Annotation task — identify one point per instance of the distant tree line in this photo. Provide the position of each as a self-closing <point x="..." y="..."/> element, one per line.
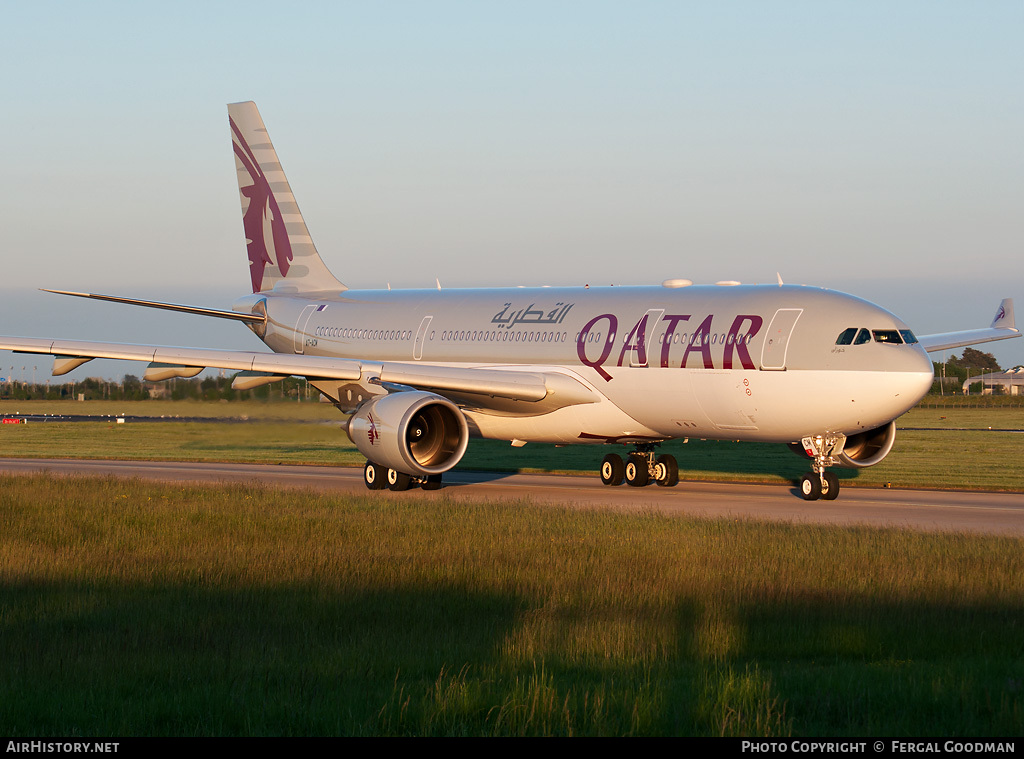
<point x="131" y="388"/>
<point x="956" y="369"/>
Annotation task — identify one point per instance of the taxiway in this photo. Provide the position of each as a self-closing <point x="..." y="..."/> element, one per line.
<point x="967" y="511"/>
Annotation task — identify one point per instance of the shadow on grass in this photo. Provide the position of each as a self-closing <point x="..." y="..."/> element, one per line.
<point x="95" y="659"/>
<point x="181" y="660"/>
<point x="697" y="459"/>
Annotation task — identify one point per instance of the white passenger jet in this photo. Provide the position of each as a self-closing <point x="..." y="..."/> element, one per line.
<point x="422" y="371"/>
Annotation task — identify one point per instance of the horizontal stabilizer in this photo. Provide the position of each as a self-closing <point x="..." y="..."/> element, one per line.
<point x="241" y="317"/>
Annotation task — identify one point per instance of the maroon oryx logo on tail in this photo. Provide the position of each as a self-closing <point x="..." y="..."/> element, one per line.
<point x="262" y="205"/>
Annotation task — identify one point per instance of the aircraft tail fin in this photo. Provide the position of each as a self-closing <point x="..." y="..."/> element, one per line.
<point x="282" y="255"/>
<point x="1004" y="315"/>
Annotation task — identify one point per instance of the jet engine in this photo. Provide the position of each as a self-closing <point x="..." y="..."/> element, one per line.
<point x="868" y="448"/>
<point x="413" y="432"/>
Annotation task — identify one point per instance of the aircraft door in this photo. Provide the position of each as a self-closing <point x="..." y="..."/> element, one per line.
<point x="776" y="339"/>
<point x="421" y="338"/>
<point x="299" y="340"/>
<point x="650" y="321"/>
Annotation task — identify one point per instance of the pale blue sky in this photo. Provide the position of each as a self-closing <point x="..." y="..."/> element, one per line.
<point x="873" y="147"/>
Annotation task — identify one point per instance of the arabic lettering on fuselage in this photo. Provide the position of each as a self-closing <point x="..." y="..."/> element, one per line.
<point x="530" y="315"/>
<point x="732" y="346"/>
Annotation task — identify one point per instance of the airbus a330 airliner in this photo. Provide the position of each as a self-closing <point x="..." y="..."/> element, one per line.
<point x="421" y="371"/>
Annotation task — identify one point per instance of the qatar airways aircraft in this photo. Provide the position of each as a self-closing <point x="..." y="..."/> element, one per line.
<point x="422" y="371"/>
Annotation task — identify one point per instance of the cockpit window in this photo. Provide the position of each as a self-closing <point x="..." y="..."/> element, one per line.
<point x="860" y="336"/>
<point x="846" y="336"/>
<point x="887" y="336"/>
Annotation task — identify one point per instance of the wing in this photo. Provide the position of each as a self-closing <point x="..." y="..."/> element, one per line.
<point x="504" y="390"/>
<point x="1002" y="328"/>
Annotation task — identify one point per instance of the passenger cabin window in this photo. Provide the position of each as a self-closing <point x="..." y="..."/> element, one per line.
<point x="887" y="336"/>
<point x="846" y="336"/>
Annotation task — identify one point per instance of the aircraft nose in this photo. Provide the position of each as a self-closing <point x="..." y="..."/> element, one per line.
<point x="923" y="361"/>
<point x="917" y="374"/>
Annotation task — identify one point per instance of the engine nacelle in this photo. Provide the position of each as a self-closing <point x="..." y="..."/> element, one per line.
<point x="861" y="450"/>
<point x="868" y="448"/>
<point x="414" y="432"/>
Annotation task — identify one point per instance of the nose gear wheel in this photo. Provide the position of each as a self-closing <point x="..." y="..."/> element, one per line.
<point x="823" y="451"/>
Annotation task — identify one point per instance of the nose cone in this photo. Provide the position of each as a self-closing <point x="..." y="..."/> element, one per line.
<point x="922" y="363"/>
<point x="911" y="375"/>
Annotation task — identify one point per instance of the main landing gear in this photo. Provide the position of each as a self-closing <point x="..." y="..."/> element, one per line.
<point x="822" y="450"/>
<point x="641" y="468"/>
<point x="377" y="477"/>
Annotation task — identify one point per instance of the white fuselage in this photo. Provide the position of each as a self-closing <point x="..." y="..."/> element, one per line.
<point x="730" y="362"/>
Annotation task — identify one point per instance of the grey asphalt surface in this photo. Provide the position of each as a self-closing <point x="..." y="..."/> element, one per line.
<point x="960" y="511"/>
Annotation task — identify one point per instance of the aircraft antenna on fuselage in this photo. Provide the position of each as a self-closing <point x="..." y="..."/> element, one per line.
<point x="282" y="256"/>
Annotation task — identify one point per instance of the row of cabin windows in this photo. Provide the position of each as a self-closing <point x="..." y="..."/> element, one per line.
<point x="503" y="337"/>
<point x="697" y="338"/>
<point x="352" y="333"/>
<point x="861" y="335"/>
<point x="591" y="337"/>
<point x="363" y="334"/>
<point x="540" y="337"/>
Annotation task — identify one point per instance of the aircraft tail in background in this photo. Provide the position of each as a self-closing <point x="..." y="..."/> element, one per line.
<point x="282" y="256"/>
<point x="1003" y="327"/>
<point x="1004" y="315"/>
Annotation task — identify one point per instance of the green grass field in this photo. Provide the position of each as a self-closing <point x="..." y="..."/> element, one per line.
<point x="942" y="455"/>
<point x="129" y="608"/>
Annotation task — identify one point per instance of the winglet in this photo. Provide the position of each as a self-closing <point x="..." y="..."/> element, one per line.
<point x="1004" y="316"/>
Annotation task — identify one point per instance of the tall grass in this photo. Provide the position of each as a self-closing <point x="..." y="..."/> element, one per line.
<point x="130" y="608"/>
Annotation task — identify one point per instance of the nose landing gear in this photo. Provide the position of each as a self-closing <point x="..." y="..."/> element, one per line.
<point x="823" y="451"/>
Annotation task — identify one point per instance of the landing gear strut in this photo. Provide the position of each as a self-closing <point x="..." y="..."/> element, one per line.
<point x="641" y="468"/>
<point x="823" y="451"/>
